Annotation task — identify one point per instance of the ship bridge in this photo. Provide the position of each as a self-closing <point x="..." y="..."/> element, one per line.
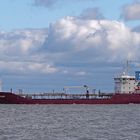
<point x="125" y="84"/>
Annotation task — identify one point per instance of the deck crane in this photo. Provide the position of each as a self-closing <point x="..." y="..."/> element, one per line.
<point x="85" y="87"/>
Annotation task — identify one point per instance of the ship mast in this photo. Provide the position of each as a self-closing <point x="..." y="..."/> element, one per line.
<point x="127" y="68"/>
<point x="0" y="86"/>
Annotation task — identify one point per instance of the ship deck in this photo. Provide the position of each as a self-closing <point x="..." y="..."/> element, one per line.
<point x="64" y="96"/>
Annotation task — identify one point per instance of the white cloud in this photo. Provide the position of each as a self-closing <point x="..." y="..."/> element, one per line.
<point x="78" y="40"/>
<point x="81" y="73"/>
<point x="72" y="49"/>
<point x="41" y="68"/>
<point x="21" y="42"/>
<point x="131" y="11"/>
<point x="18" y="52"/>
<point x="16" y="67"/>
<point x="70" y="45"/>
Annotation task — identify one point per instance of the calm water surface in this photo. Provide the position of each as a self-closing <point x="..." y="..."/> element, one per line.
<point x="70" y="122"/>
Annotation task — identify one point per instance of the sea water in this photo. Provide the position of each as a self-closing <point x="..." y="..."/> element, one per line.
<point x="70" y="122"/>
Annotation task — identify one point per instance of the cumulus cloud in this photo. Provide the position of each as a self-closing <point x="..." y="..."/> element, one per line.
<point x="131" y="11"/>
<point x="21" y="42"/>
<point x="82" y="47"/>
<point x="18" y="52"/>
<point x="15" y="67"/>
<point x="81" y="73"/>
<point x="76" y="40"/>
<point x="71" y="47"/>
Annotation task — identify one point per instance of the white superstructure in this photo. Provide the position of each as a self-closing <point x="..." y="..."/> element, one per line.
<point x="125" y="84"/>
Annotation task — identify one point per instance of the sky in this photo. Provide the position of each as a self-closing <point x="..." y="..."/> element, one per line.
<point x="46" y="45"/>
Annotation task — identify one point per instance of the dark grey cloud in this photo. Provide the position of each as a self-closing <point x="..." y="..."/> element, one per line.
<point x="131" y="11"/>
<point x="44" y="3"/>
<point x="92" y="13"/>
<point x="136" y="29"/>
<point x="50" y="3"/>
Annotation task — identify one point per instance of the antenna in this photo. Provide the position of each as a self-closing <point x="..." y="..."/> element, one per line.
<point x="127" y="69"/>
<point x="0" y="86"/>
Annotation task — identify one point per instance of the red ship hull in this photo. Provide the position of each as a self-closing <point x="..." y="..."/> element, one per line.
<point x="10" y="98"/>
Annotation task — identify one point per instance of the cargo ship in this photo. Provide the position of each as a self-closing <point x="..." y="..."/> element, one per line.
<point x="126" y="91"/>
